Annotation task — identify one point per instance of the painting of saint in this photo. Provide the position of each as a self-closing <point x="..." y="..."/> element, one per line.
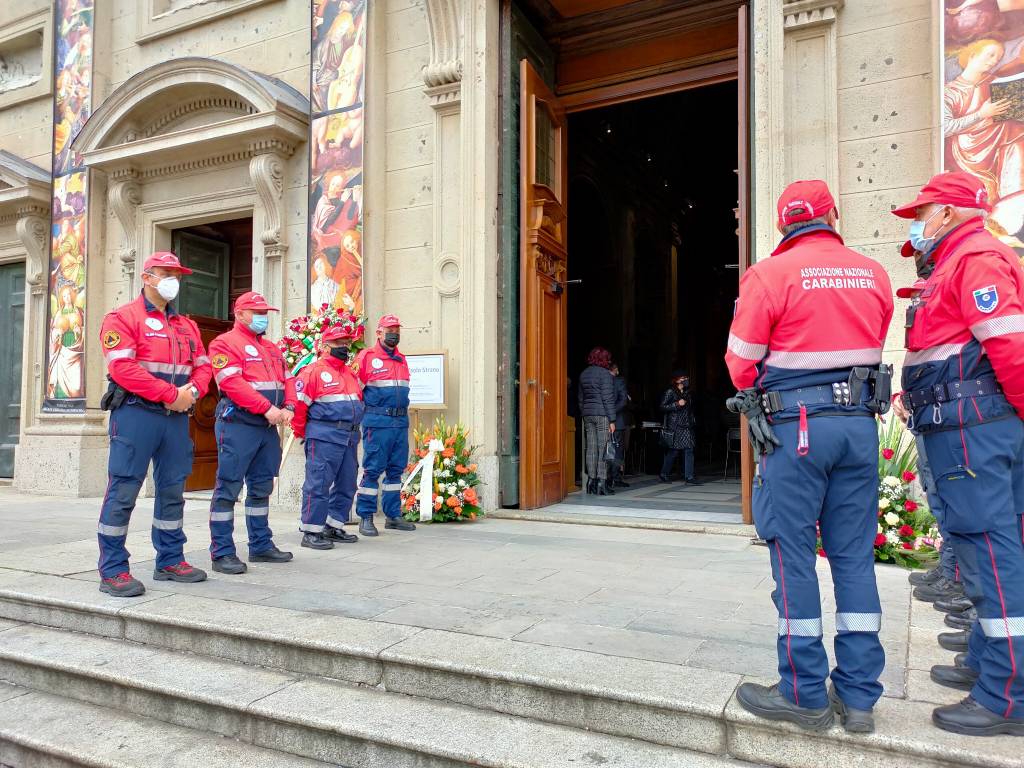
<point x="66" y="346"/>
<point x="983" y="104"/>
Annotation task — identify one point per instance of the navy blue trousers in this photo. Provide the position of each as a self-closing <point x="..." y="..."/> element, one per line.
<point x="385" y="452"/>
<point x="137" y="436"/>
<point x="330" y="483"/>
<point x="834" y="485"/>
<point x="947" y="555"/>
<point x="979" y="474"/>
<point x="249" y="454"/>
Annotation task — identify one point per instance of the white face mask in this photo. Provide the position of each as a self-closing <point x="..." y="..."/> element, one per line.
<point x="168" y="288"/>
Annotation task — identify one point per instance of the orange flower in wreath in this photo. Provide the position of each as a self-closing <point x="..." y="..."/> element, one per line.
<point x="437" y="503"/>
<point x="472" y="467"/>
<point x="458" y="511"/>
<point x="452" y="501"/>
<point x="448" y="453"/>
<point x="470" y="496"/>
<point x="461" y="469"/>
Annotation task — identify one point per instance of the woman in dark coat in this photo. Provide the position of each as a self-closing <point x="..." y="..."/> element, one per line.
<point x="677" y="435"/>
<point x="597" y="406"/>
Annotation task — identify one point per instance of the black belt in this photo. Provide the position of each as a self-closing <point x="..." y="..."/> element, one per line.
<point x="381" y="411"/>
<point x="824" y="394"/>
<point x="951" y="391"/>
<point x="345" y="426"/>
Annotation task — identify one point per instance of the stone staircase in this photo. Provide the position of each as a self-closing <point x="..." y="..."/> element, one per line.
<point x="172" y="679"/>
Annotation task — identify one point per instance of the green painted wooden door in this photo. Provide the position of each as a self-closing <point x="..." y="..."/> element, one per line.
<point x="12" y="307"/>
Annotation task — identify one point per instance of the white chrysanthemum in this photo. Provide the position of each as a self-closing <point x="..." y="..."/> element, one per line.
<point x="893" y="537"/>
<point x="892" y="518"/>
<point x="891" y="481"/>
<point x="462" y="483"/>
<point x="883" y="503"/>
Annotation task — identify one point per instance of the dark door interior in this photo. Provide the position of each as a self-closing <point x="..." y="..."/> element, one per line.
<point x="12" y="305"/>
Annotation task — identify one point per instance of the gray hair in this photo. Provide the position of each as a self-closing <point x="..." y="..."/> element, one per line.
<point x="789" y="229"/>
<point x="968" y="213"/>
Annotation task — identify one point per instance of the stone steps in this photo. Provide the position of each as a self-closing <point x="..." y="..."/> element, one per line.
<point x="38" y="729"/>
<point x="490" y="685"/>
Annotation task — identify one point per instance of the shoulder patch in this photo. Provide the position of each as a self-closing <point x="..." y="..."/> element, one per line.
<point x="986" y="299"/>
<point x="219" y="361"/>
<point x="299" y="386"/>
<point x="111" y="339"/>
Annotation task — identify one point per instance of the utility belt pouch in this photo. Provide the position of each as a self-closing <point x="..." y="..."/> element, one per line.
<point x="881" y="397"/>
<point x="114" y="397"/>
<point x="858" y="378"/>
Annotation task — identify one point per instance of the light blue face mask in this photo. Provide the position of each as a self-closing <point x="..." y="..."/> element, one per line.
<point x="259" y="324"/>
<point x="916" y="236"/>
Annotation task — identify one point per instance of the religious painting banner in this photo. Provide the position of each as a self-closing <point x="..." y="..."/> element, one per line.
<point x="336" y="88"/>
<point x="983" y="104"/>
<point x="72" y="104"/>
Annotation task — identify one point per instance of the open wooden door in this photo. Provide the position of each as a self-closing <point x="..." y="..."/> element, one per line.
<point x="543" y="329"/>
<point x="743" y="173"/>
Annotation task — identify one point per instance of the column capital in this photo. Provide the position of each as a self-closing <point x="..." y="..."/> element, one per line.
<point x="443" y="75"/>
<point x="32" y="227"/>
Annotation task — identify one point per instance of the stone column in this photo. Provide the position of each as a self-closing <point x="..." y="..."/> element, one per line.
<point x="769" y="140"/>
<point x="267" y="172"/>
<point x="32" y="226"/>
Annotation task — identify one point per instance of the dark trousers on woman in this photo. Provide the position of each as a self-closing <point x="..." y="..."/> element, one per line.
<point x="596" y="440"/>
<point x="671" y="454"/>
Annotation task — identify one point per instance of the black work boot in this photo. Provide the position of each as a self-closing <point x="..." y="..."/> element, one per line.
<point x="122" y="585"/>
<point x="316" y="541"/>
<point x="955" y="641"/>
<point x="956" y="605"/>
<point x="941" y="589"/>
<point x="853" y="720"/>
<point x="182" y="572"/>
<point x="272" y="555"/>
<point x="769" y="703"/>
<point x="961" y="678"/>
<point x="919" y="578"/>
<point x="229" y="564"/>
<point x="971" y="719"/>
<point x="366" y="527"/>
<point x="960" y="659"/>
<point x="962" y="620"/>
<point x="337" y="534"/>
<point x="399" y="524"/>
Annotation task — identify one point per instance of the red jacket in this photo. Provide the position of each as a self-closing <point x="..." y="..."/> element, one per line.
<point x="968" y="323"/>
<point x="329" y="394"/>
<point x="385" y="375"/>
<point x="250" y="371"/>
<point x="809" y="314"/>
<point x="151" y="353"/>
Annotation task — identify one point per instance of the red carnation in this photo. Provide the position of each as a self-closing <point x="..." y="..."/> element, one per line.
<point x="909" y="477"/>
<point x="908" y="545"/>
<point x="880" y="540"/>
<point x="910" y="506"/>
<point x="888" y="453"/>
<point x="906" y="531"/>
<point x="821" y="552"/>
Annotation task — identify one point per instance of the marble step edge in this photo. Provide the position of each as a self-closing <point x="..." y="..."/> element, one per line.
<point x="616" y="521"/>
<point x="42" y="729"/>
<point x="317" y="719"/>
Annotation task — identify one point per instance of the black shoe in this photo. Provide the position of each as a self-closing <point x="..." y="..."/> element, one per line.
<point x="592" y="486"/>
<point x="604" y="490"/>
<point x="229" y="564"/>
<point x="336" y="534"/>
<point x="272" y="555"/>
<point x="182" y="572"/>
<point x="122" y="585"/>
<point x="962" y="620"/>
<point x="769" y="703"/>
<point x="955" y="641"/>
<point x="941" y="589"/>
<point x="971" y="719"/>
<point x="853" y="720"/>
<point x="399" y="524"/>
<point x="961" y="678"/>
<point x="956" y="605"/>
<point x="620" y="483"/>
<point x="366" y="527"/>
<point x="664" y="479"/>
<point x="693" y="481"/>
<point x="918" y="578"/>
<point x="316" y="541"/>
<point x="960" y="660"/>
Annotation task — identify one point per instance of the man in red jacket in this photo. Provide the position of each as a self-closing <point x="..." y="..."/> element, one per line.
<point x="257" y="395"/>
<point x="157" y="368"/>
<point x="805" y="351"/>
<point x="963" y="381"/>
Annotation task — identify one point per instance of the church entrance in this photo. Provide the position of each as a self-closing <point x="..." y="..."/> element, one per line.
<point x="630" y="196"/>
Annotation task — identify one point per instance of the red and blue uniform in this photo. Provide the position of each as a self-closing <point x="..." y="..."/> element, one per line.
<point x="328" y="416"/>
<point x="150" y="354"/>
<point x="963" y="381"/>
<point x="805" y="318"/>
<point x="252" y="377"/>
<point x="385" y="377"/>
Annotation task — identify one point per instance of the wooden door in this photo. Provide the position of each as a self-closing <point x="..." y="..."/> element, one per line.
<point x="12" y="305"/>
<point x="204" y="298"/>
<point x="743" y="174"/>
<point x="542" y="222"/>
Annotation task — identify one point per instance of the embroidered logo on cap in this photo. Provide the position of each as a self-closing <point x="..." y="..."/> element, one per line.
<point x="986" y="299"/>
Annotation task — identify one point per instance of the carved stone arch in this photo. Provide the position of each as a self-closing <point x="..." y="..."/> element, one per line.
<point x="443" y="74"/>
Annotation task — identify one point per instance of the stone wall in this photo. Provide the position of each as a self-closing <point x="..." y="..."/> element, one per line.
<point x="26" y="112"/>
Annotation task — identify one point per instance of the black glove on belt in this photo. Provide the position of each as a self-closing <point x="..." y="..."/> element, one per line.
<point x="762" y="436"/>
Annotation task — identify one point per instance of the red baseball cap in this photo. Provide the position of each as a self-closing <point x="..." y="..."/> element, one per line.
<point x="335" y="332"/>
<point x="803" y="201"/>
<point x="911" y="291"/>
<point x="164" y="259"/>
<point x="951" y="188"/>
<point x="388" y="321"/>
<point x="254" y="301"/>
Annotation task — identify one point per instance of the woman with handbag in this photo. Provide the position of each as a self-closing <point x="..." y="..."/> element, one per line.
<point x="597" y="406"/>
<point x="677" y="435"/>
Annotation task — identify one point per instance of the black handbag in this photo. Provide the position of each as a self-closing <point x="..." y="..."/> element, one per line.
<point x="611" y="447"/>
<point x="666" y="437"/>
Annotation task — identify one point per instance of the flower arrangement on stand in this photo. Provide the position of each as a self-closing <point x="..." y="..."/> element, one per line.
<point x="302" y="339"/>
<point x="446" y="449"/>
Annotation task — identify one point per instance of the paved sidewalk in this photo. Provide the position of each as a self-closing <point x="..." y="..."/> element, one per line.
<point x="696" y="599"/>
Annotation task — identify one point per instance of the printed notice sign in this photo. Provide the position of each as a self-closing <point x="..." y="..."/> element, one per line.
<point x="426" y="379"/>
